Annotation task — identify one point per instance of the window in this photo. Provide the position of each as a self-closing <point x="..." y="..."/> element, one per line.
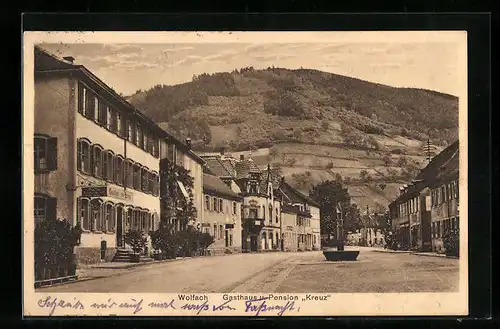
<point x="270" y="213"/>
<point x="234" y="208"/>
<point x="215" y="205"/>
<point x="434" y="230"/>
<point x="85" y="214"/>
<point x="97" y="162"/>
<point x="130" y="220"/>
<point x="179" y="158"/>
<point x="108" y="167"/>
<point x="96" y="219"/>
<point x="110" y="218"/>
<point x="253" y="188"/>
<point x="144" y="179"/>
<point x="84" y="156"/>
<point x="131" y="131"/>
<point x="151" y="183"/>
<point x="118" y="170"/>
<point x="40" y="208"/>
<point x="156" y="190"/>
<point x="253" y="213"/>
<point x="221" y="205"/>
<point x="82" y="97"/>
<point x="45" y="153"/>
<point x="443" y="194"/>
<point x="145" y="143"/>
<point x="129" y="167"/>
<point x="119" y="124"/>
<point x="95" y="110"/>
<point x="102" y="113"/>
<point x="137" y="177"/>
<point x="109" y="118"/>
<point x="154" y="146"/>
<point x="207" y="202"/>
<point x="138" y="134"/>
<point x="221" y="231"/>
<point x="438" y="225"/>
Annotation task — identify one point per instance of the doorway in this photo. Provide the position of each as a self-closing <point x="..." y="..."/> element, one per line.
<point x="119" y="227"/>
<point x="253" y="243"/>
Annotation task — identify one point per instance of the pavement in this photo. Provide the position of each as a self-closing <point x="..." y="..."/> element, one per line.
<point x="281" y="272"/>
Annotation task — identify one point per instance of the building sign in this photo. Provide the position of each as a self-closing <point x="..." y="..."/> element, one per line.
<point x="229" y="225"/>
<point x="94" y="191"/>
<point x="119" y="193"/>
<point x="205" y="224"/>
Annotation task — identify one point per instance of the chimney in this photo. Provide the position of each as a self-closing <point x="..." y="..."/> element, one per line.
<point x="242" y="157"/>
<point x="69" y="59"/>
<point x="188" y="143"/>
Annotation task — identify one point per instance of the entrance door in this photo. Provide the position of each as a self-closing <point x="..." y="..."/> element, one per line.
<point x="253" y="243"/>
<point x="227" y="238"/>
<point x="119" y="227"/>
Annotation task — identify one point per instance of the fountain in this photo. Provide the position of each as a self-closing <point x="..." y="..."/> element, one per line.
<point x="335" y="251"/>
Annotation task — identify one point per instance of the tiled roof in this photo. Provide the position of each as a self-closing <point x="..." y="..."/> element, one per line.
<point x="46" y="61"/>
<point x="213" y="184"/>
<point x="216" y="167"/>
<point x="246" y="167"/>
<point x="295" y="196"/>
<point x="441" y="166"/>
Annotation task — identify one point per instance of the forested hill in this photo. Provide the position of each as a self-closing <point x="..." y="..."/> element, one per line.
<point x="254" y="108"/>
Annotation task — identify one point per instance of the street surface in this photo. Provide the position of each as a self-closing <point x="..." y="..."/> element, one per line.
<point x="282" y="273"/>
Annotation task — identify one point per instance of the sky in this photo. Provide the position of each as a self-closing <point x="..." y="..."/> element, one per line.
<point x="127" y="67"/>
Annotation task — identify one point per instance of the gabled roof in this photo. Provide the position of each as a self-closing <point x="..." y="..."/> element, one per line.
<point x="46" y="62"/>
<point x="215" y="166"/>
<point x="214" y="185"/>
<point x="294" y="196"/>
<point x="441" y="167"/>
<point x="246" y="167"/>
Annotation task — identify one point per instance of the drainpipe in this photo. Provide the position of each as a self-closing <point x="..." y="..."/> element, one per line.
<point x="72" y="160"/>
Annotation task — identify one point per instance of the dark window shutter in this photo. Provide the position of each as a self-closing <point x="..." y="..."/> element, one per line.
<point x="78" y="210"/>
<point x="91" y="160"/>
<point x="79" y="156"/>
<point x="80" y="98"/>
<point x="51" y="209"/>
<point x="52" y="153"/>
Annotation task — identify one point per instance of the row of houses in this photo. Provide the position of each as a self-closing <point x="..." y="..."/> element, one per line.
<point x="429" y="207"/>
<point x="99" y="162"/>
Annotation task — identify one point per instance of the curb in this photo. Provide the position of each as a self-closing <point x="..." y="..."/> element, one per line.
<point x="434" y="255"/>
<point x="393" y="251"/>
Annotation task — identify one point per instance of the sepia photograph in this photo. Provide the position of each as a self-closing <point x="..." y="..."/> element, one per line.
<point x="245" y="173"/>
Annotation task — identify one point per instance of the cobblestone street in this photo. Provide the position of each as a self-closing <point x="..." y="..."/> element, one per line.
<point x="278" y="272"/>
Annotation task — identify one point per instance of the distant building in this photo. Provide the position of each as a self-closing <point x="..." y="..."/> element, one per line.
<point x="428" y="207"/>
<point x="222" y="215"/>
<point x="306" y="231"/>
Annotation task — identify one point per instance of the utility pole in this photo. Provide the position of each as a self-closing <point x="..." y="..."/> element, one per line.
<point x="428" y="150"/>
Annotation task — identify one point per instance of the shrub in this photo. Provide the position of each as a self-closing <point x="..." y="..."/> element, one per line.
<point x="451" y="242"/>
<point x="136" y="240"/>
<point x="54" y="246"/>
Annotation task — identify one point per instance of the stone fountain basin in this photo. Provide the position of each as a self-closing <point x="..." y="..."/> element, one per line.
<point x="344" y="255"/>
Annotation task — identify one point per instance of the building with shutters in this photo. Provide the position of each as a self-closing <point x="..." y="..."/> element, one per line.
<point x="222" y="215"/>
<point x="97" y="158"/>
<point x="300" y="219"/>
<point x="428" y="207"/>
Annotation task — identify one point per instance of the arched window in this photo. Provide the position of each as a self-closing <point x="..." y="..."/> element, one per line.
<point x="130" y="219"/>
<point x="84" y="211"/>
<point x="137" y="177"/>
<point x="118" y="170"/>
<point x="96" y="216"/>
<point x="109" y="217"/>
<point x="108" y="165"/>
<point x="144" y="179"/>
<point x="84" y="155"/>
<point x="97" y="161"/>
<point x="129" y="173"/>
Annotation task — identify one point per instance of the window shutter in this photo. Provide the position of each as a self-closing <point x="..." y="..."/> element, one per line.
<point x="51" y="208"/>
<point x="80" y="98"/>
<point x="79" y="155"/>
<point x="91" y="160"/>
<point x="52" y="153"/>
